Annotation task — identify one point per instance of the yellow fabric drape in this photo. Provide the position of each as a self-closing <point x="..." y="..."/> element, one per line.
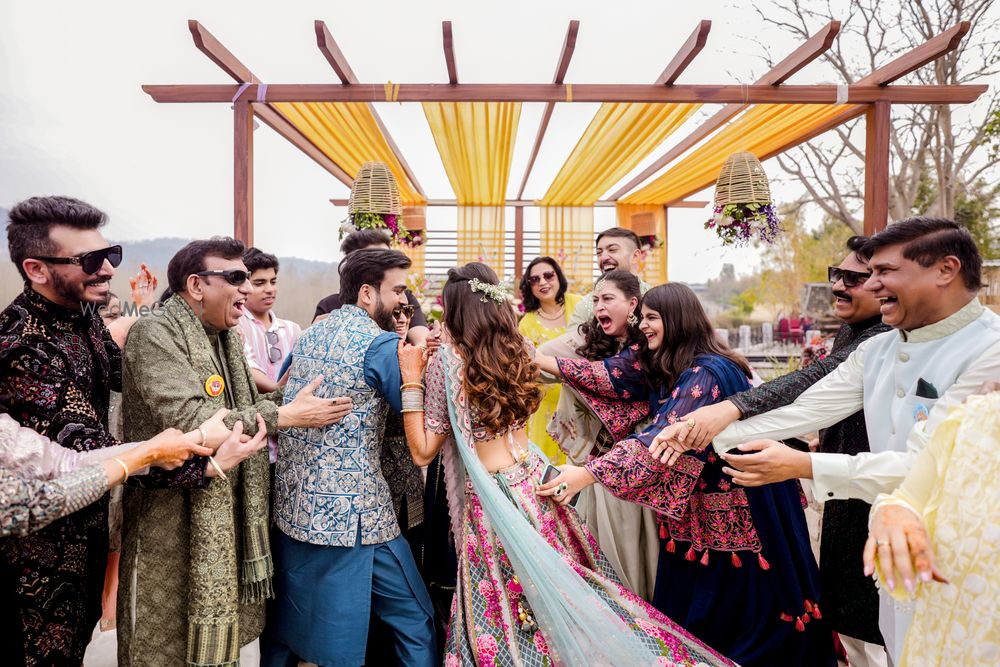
<point x="348" y="134"/>
<point x="476" y="143"/>
<point x="481" y="236"/>
<point x="617" y="139"/>
<point x="567" y="235"/>
<point x="761" y="130"/>
<point x="653" y="268"/>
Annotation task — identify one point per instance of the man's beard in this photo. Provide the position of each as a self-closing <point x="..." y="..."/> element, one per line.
<point x="383" y="316"/>
<point x="75" y="292"/>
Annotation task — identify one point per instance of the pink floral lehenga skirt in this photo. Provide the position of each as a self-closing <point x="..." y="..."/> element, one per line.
<point x="491" y="621"/>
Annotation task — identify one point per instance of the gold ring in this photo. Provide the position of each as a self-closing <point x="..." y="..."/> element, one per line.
<point x="881" y="543"/>
<point x="690" y="423"/>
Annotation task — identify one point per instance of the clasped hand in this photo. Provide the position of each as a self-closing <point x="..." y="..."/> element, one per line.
<point x="575" y="478"/>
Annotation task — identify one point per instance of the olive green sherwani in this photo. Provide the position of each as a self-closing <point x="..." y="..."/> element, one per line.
<point x="196" y="565"/>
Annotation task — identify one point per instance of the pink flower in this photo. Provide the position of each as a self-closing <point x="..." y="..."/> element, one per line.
<point x="486" y="648"/>
<point x="451" y="660"/>
<point x="674" y="393"/>
<point x="672" y="417"/>
<point x="715" y="393"/>
<point x="696" y="391"/>
<point x="540" y="644"/>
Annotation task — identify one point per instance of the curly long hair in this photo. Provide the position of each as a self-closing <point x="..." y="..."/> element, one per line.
<point x="501" y="380"/>
<point x="687" y="332"/>
<point x="599" y="345"/>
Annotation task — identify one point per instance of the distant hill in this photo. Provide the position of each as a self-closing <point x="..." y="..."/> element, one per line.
<point x="302" y="282"/>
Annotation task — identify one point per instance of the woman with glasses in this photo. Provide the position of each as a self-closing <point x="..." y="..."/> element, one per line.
<point x="547" y="309"/>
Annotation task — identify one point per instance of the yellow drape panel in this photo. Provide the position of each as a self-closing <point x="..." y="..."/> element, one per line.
<point x="348" y="134"/>
<point x="654" y="266"/>
<point x="476" y="142"/>
<point x="761" y="130"/>
<point x="617" y="139"/>
<point x="481" y="236"/>
<point x="567" y="235"/>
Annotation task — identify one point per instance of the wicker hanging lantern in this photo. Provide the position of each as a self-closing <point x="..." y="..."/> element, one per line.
<point x="375" y="191"/>
<point x="742" y="181"/>
<point x="743" y="210"/>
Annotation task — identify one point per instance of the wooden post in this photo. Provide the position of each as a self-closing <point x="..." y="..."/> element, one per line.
<point x="518" y="242"/>
<point x="666" y="242"/>
<point x="878" y="126"/>
<point x="243" y="170"/>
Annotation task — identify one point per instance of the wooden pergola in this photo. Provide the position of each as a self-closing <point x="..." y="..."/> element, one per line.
<point x="795" y="113"/>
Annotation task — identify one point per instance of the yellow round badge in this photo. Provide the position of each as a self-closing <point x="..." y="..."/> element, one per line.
<point x="214" y="385"/>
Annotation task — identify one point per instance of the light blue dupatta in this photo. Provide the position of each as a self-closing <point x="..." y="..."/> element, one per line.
<point x="581" y="629"/>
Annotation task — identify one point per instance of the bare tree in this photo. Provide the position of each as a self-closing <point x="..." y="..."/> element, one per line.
<point x="934" y="145"/>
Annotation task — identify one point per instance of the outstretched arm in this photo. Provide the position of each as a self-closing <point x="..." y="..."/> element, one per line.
<point x="422" y="405"/>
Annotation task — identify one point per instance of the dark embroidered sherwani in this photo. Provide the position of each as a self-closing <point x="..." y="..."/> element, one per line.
<point x="57" y="369"/>
<point x="851" y="600"/>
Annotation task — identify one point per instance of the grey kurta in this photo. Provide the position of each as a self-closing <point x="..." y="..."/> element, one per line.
<point x="163" y="389"/>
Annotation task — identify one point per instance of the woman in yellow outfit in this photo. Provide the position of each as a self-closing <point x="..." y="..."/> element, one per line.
<point x="934" y="541"/>
<point x="547" y="310"/>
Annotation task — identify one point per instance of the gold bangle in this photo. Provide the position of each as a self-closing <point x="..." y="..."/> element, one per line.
<point x="412" y="385"/>
<point x="124" y="467"/>
<point x="218" y="470"/>
<point x="405" y="410"/>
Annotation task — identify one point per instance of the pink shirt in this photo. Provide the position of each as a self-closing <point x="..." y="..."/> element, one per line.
<point x="257" y="349"/>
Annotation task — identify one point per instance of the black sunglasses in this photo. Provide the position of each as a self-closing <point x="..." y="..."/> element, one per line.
<point x="851" y="278"/>
<point x="91" y="262"/>
<point x="232" y="276"/>
<point x="546" y="276"/>
<point x="407" y="310"/>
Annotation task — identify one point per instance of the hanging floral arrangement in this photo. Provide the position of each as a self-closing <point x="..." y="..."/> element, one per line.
<point x="375" y="204"/>
<point x="743" y="211"/>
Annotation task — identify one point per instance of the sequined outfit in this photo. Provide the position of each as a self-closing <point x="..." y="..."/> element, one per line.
<point x="57" y="369"/>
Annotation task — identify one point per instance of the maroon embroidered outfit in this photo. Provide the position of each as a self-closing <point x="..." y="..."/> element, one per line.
<point x="736" y="568"/>
<point x="57" y="369"/>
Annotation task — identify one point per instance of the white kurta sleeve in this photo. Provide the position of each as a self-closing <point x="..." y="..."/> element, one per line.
<point x="836" y="396"/>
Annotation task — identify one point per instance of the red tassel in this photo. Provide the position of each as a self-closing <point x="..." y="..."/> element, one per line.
<point x="704" y="558"/>
<point x="764" y="565"/>
<point x="805" y="618"/>
<point x="786" y="617"/>
<point x="808" y="606"/>
<point x="663" y="532"/>
<point x="671" y="547"/>
<point x="690" y="554"/>
<point x="815" y="612"/>
<point x="800" y="626"/>
<point x="736" y="560"/>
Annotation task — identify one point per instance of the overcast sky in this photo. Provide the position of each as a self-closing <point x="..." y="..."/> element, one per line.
<point x="74" y="121"/>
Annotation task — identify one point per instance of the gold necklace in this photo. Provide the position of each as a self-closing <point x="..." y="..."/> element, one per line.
<point x="552" y="318"/>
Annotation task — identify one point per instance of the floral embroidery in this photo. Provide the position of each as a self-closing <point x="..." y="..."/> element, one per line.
<point x="672" y="417"/>
<point x="593" y="380"/>
<point x="674" y="393"/>
<point x="696" y="391"/>
<point x="486" y="647"/>
<point x="540" y="644"/>
<point x="715" y="392"/>
<point x="717" y="521"/>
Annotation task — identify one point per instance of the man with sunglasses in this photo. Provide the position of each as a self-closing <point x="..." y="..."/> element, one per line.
<point x="196" y="563"/>
<point x="58" y="365"/>
<point x="850" y="600"/>
<point x="926" y="274"/>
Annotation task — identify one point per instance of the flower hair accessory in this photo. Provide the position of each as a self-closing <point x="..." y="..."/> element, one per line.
<point x="498" y="293"/>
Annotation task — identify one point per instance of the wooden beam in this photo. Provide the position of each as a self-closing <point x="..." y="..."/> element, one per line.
<point x="449" y="52"/>
<point x="243" y="169"/>
<point x="666" y="241"/>
<point x="219" y="54"/>
<point x="569" y="45"/>
<point x="328" y="47"/>
<point x="338" y="61"/>
<point x="878" y="126"/>
<point x="919" y="56"/>
<point x="686" y="54"/>
<point x="582" y="93"/>
<point x="524" y="203"/>
<point x="811" y="49"/>
<point x="283" y="126"/>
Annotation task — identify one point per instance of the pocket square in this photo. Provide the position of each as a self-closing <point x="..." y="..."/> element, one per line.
<point x="925" y="389"/>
